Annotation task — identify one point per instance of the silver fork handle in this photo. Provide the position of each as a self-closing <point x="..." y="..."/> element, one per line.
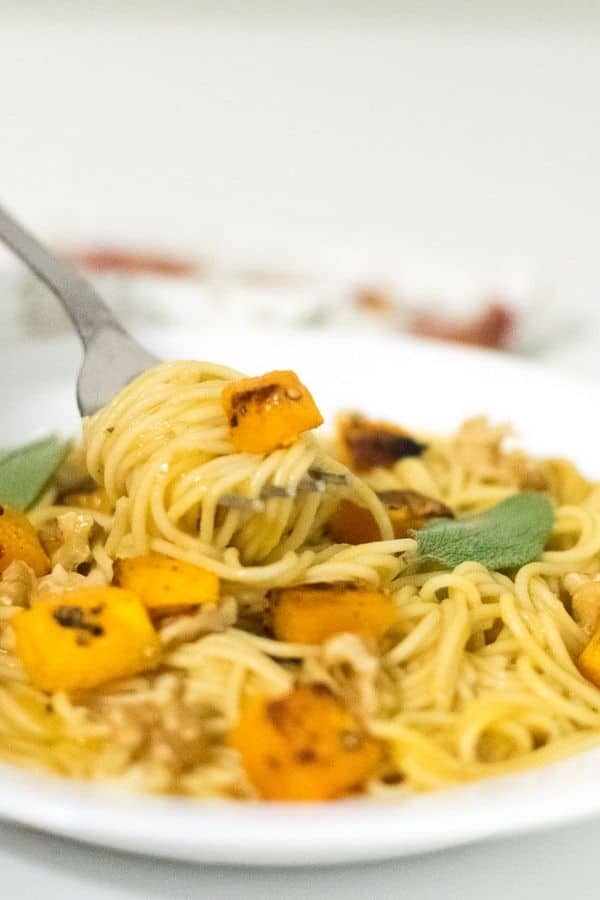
<point x="87" y="310"/>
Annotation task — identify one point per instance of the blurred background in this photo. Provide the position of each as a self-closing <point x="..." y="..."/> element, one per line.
<point x="429" y="167"/>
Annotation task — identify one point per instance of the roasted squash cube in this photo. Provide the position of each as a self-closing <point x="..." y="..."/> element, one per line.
<point x="353" y="524"/>
<point x="19" y="542"/>
<point x="408" y="511"/>
<point x="84" y="638"/>
<point x="312" y="613"/>
<point x="368" y="443"/>
<point x="268" y="412"/>
<point x="161" y="582"/>
<point x="589" y="659"/>
<point x="305" y="746"/>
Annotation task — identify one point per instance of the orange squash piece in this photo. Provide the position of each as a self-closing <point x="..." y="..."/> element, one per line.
<point x="19" y="541"/>
<point x="408" y="511"/>
<point x="352" y="524"/>
<point x="269" y="411"/>
<point x="161" y="582"/>
<point x="312" y="613"/>
<point x="589" y="659"/>
<point x="368" y="443"/>
<point x="84" y="638"/>
<point x="305" y="746"/>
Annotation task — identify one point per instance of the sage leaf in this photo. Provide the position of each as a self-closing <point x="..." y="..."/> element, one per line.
<point x="25" y="471"/>
<point x="506" y="536"/>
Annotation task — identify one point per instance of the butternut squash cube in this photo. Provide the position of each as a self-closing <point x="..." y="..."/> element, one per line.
<point x="312" y="613"/>
<point x="19" y="541"/>
<point x="161" y="582"/>
<point x="305" y="746"/>
<point x="84" y="638"/>
<point x="408" y="511"/>
<point x="589" y="660"/>
<point x="352" y="524"/>
<point x="368" y="443"/>
<point x="269" y="411"/>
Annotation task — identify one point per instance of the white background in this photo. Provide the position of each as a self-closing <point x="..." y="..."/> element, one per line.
<point x="372" y="134"/>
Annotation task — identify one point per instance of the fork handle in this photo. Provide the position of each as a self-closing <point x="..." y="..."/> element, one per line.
<point x="87" y="310"/>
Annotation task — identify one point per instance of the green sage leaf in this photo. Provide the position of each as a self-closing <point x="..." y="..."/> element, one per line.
<point x="507" y="536"/>
<point x="25" y="471"/>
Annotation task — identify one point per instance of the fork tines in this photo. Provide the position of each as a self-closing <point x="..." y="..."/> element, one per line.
<point x="317" y="482"/>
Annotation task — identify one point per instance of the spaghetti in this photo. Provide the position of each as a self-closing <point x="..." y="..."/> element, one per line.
<point x="477" y="675"/>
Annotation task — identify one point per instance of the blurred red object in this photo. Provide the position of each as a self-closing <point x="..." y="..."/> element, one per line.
<point x="129" y="262"/>
<point x="492" y="328"/>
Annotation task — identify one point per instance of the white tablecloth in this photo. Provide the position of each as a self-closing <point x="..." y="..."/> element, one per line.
<point x="549" y="866"/>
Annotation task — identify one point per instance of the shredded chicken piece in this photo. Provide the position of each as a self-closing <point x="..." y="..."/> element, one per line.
<point x="67" y="539"/>
<point x="478" y="447"/>
<point x="347" y="666"/>
<point x="159" y="725"/>
<point x="17" y="584"/>
<point x="209" y="618"/>
<point x="60" y="581"/>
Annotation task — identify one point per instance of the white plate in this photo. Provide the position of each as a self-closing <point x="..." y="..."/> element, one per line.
<point x="423" y="385"/>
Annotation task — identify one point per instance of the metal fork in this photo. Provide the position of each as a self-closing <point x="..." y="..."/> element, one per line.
<point x="112" y="358"/>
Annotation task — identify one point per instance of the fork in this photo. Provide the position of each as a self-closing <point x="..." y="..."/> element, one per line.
<point x="112" y="358"/>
